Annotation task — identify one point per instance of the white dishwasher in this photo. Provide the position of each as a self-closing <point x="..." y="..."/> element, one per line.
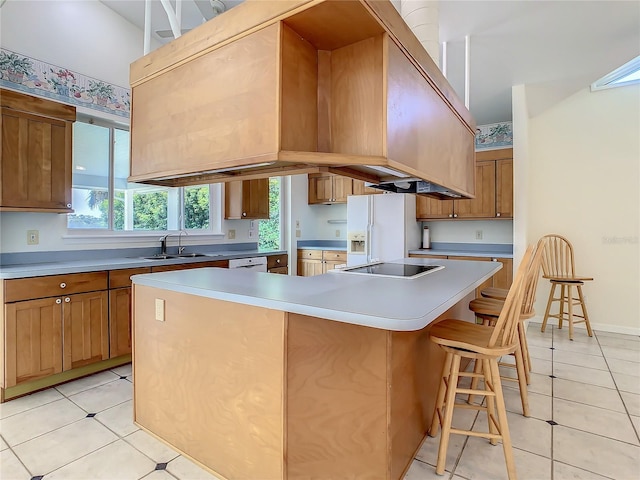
<point x="258" y="264"/>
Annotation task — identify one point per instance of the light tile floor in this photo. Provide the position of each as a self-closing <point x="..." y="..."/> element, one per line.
<point x="584" y="424"/>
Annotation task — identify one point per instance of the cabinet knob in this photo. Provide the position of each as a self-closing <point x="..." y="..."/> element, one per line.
<point x="68" y="205"/>
<point x="63" y="285"/>
<point x="455" y="215"/>
<point x="58" y="301"/>
<point x="450" y="215"/>
<point x="67" y="300"/>
<point x="244" y="214"/>
<point x="498" y="214"/>
<point x="278" y="261"/>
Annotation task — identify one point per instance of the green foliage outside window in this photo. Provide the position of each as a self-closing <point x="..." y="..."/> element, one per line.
<point x="270" y="229"/>
<point x="196" y="207"/>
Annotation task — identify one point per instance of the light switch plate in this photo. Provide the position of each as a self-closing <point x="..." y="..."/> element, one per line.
<point x="33" y="237"/>
<point x="160" y="309"/>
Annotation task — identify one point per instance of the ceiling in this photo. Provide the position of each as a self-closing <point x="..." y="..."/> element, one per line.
<point x="556" y="48"/>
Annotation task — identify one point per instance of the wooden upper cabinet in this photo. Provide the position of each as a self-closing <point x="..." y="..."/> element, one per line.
<point x="246" y="199"/>
<point x="428" y="208"/>
<point x="326" y="188"/>
<point x="504" y="188"/>
<point x="36" y="158"/>
<point x="494" y="192"/>
<point x="484" y="205"/>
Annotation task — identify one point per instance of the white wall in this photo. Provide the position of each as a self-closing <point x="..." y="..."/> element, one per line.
<point x="584" y="183"/>
<point x="87" y="37"/>
<point x="464" y="231"/>
<point x="314" y="218"/>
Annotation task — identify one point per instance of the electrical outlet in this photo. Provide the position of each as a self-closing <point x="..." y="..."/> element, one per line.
<point x="160" y="309"/>
<point x="231" y="234"/>
<point x="478" y="234"/>
<point x="337" y="233"/>
<point x="252" y="234"/>
<point x="33" y="237"/>
<point x="252" y="225"/>
<point x="298" y="233"/>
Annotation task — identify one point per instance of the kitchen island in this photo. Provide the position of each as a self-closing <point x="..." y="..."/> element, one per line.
<point x="259" y="376"/>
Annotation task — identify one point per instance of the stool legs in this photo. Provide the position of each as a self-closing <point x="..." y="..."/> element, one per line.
<point x="567" y="298"/>
<point x="448" y="414"/>
<point x="438" y="414"/>
<point x="502" y="420"/>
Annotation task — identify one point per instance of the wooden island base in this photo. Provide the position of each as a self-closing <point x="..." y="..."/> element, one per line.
<point x="254" y="393"/>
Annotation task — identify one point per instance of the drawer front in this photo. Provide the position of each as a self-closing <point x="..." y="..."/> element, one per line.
<point x="335" y="255"/>
<point x="274" y="261"/>
<point x="310" y="254"/>
<point x="122" y="278"/>
<point x="54" y="285"/>
<point x="187" y="266"/>
<point x="281" y="270"/>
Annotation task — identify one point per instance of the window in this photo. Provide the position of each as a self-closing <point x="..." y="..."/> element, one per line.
<point x="103" y="199"/>
<point x="627" y="74"/>
<point x="270" y="230"/>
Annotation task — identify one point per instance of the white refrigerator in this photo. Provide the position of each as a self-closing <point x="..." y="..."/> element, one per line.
<point x="381" y="227"/>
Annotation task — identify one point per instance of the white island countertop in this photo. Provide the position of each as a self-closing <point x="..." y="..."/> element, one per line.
<point x="381" y="302"/>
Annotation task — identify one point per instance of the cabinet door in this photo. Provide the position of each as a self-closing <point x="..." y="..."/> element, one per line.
<point x="33" y="340"/>
<point x="484" y="205"/>
<point x="342" y="187"/>
<point x="36" y="162"/>
<point x="504" y="188"/>
<point x="119" y="322"/>
<point x="85" y="329"/>
<point x="247" y="199"/>
<point x="309" y="268"/>
<point x="428" y="208"/>
<point x="360" y="189"/>
<point x="320" y="188"/>
<point x="279" y="270"/>
<point x="504" y="277"/>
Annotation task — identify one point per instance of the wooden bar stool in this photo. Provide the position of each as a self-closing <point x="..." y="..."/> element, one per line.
<point x="485" y="345"/>
<point x="558" y="267"/>
<point x="489" y="309"/>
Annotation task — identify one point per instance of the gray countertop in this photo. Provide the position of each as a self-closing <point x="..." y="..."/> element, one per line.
<point x="461" y="253"/>
<point x="379" y="302"/>
<point x="90" y="265"/>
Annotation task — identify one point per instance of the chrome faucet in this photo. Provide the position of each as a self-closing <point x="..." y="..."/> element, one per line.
<point x="163" y="243"/>
<point x="180" y="247"/>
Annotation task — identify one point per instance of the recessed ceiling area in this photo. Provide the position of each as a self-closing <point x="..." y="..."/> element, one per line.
<point x="555" y="47"/>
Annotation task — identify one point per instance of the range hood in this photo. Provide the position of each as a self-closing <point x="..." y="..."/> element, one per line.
<point x="273" y="88"/>
<point x="417" y="187"/>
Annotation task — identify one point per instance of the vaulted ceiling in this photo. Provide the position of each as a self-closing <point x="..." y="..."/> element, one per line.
<point x="556" y="48"/>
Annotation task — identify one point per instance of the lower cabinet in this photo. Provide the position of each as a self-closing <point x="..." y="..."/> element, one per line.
<point x="85" y="337"/>
<point x="119" y="322"/>
<point x="278" y="264"/>
<point x="33" y="340"/>
<point x="316" y="262"/>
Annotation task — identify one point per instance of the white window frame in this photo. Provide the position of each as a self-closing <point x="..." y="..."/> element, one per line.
<point x="175" y="211"/>
<point x="612" y="80"/>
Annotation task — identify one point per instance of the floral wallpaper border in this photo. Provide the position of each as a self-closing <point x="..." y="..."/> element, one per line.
<point x="494" y="135"/>
<point x="30" y="75"/>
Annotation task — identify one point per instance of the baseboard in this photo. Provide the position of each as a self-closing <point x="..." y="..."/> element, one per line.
<point x="598" y="327"/>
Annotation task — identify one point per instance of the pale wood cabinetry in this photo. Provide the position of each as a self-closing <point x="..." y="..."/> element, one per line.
<point x="53" y="324"/>
<point x="35" y="163"/>
<point x="247" y="199"/>
<point x="494" y="192"/>
<point x="325" y="188"/>
<point x="316" y="262"/>
<point x="120" y="310"/>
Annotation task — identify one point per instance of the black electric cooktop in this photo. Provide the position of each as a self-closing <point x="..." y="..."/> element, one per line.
<point x="400" y="270"/>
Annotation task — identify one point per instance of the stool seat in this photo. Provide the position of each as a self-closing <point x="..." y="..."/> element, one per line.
<point x="469" y="337"/>
<point x="494" y="292"/>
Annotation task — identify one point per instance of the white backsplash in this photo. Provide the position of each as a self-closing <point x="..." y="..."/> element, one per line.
<point x="464" y="231"/>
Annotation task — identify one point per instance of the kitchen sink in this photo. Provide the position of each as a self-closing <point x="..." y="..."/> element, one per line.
<point x="160" y="257"/>
<point x="188" y="255"/>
